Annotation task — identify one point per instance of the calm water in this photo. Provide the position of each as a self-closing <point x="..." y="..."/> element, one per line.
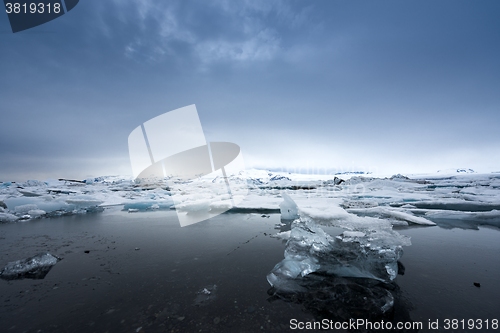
<point x="143" y="273"/>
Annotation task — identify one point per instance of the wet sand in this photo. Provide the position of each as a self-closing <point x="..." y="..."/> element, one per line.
<point x="144" y="273"/>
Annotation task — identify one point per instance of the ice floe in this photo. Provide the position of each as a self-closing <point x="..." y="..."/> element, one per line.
<point x="402" y="200"/>
<point x="36" y="267"/>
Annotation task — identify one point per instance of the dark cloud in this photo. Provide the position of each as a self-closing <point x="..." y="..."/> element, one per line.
<point x="379" y="82"/>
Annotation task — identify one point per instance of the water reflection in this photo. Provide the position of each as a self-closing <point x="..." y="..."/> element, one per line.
<point x="343" y="299"/>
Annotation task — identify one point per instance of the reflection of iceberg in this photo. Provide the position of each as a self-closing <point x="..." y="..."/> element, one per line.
<point x="341" y="299"/>
<point x="36" y="267"/>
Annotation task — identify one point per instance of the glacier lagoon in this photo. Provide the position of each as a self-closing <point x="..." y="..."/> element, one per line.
<point x="142" y="271"/>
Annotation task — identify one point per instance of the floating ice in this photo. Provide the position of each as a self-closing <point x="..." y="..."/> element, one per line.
<point x="369" y="248"/>
<point x="36" y="213"/>
<point x="36" y="267"/>
<point x="6" y="217"/>
<point x="52" y="206"/>
<point x="465" y="220"/>
<point x="392" y="214"/>
<point x="288" y="208"/>
<point x="148" y="205"/>
<point x="282" y="235"/>
<point x="206" y="295"/>
<point x="358" y="201"/>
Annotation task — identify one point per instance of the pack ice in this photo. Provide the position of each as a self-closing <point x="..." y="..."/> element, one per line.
<point x="452" y="199"/>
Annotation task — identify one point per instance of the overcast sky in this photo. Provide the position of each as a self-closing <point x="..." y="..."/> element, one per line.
<point x="394" y="86"/>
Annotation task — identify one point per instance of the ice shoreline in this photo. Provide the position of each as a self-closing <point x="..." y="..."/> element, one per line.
<point x="471" y="198"/>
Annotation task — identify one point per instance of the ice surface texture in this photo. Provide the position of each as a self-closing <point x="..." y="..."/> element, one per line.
<point x="459" y="200"/>
<point x="36" y="267"/>
<point x="352" y="271"/>
<point x="288" y="208"/>
<point x="368" y="249"/>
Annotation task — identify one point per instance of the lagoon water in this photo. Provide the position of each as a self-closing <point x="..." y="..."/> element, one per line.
<point x="142" y="272"/>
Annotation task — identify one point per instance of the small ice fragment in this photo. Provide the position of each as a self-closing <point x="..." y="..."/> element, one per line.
<point x="133" y="210"/>
<point x="35" y="267"/>
<point x="282" y="235"/>
<point x="206" y="295"/>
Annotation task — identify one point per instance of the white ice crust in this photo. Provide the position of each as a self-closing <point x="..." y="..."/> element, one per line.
<point x="471" y="199"/>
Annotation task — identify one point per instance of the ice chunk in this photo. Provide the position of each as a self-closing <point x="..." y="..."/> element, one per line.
<point x="392" y="214"/>
<point x="194" y="206"/>
<point x="6" y="217"/>
<point x="369" y="248"/>
<point x="282" y="235"/>
<point x="253" y="203"/>
<point x="288" y="208"/>
<point x="206" y="295"/>
<point x="369" y="254"/>
<point x="35" y="267"/>
<point x="84" y="201"/>
<point x="148" y="205"/>
<point x="36" y="213"/>
<point x="464" y="220"/>
<point x="22" y="209"/>
<point x="53" y="206"/>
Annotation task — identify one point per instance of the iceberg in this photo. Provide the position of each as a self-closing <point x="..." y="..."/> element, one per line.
<point x="351" y="270"/>
<point x="36" y="267"/>
<point x="369" y="248"/>
<point x="288" y="208"/>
